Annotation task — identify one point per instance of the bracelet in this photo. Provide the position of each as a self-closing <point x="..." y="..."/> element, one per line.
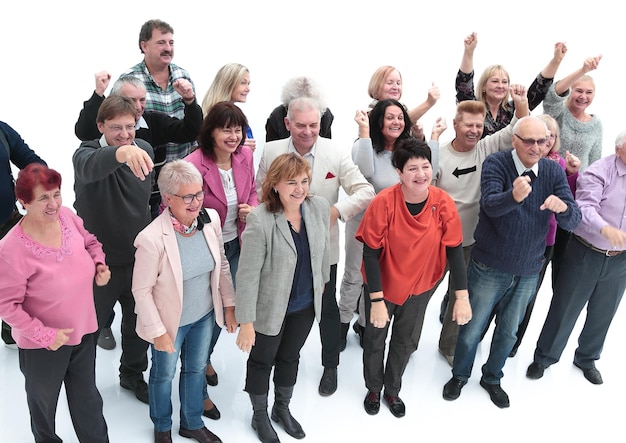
<point x="374" y="300"/>
<point x="465" y="297"/>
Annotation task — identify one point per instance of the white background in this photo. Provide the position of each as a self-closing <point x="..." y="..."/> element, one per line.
<point x="51" y="51"/>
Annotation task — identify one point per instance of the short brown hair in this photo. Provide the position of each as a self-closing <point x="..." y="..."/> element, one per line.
<point x="145" y="33"/>
<point x="115" y="106"/>
<point x="470" y="107"/>
<point x="284" y="167"/>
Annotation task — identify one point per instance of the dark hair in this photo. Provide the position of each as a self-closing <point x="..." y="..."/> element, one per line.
<point x="145" y="33"/>
<point x="377" y="120"/>
<point x="409" y="148"/>
<point x="33" y="175"/>
<point x="221" y="115"/>
<point x="115" y="106"/>
<point x="284" y="167"/>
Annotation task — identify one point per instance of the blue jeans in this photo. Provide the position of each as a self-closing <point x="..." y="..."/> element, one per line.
<point x="488" y="288"/>
<point x="232" y="250"/>
<point x="192" y="344"/>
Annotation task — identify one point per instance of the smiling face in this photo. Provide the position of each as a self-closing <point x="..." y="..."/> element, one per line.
<point x="118" y="131"/>
<point x="391" y="87"/>
<point x="496" y="87"/>
<point x="240" y="93"/>
<point x="581" y="95"/>
<point x="415" y="177"/>
<point x="45" y="206"/>
<point x="469" y="130"/>
<point x="137" y="95"/>
<point x="226" y="140"/>
<point x="293" y="191"/>
<point x="159" y="50"/>
<point x="393" y="123"/>
<point x="185" y="213"/>
<point x="304" y="127"/>
<point x="525" y="139"/>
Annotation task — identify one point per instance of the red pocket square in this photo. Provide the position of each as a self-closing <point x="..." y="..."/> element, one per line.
<point x="329" y="175"/>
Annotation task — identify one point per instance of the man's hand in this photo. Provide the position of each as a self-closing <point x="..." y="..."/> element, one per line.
<point x="521" y="188"/>
<point x="616" y="237"/>
<point x="102" y="82"/>
<point x="554" y="204"/>
<point x="185" y="90"/>
<point x="137" y="160"/>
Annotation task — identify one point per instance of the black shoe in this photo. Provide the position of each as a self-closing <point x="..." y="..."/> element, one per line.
<point x="211" y="380"/>
<point x="452" y="389"/>
<point x="591" y="374"/>
<point x="496" y="393"/>
<point x="213" y="413"/>
<point x="535" y="371"/>
<point x="139" y="387"/>
<point x="396" y="405"/>
<point x="328" y="383"/>
<point x="203" y="435"/>
<point x="372" y="402"/>
<point x="344" y="336"/>
<point x="359" y="330"/>
<point x="163" y="437"/>
<point x="106" y="340"/>
<point x="513" y="353"/>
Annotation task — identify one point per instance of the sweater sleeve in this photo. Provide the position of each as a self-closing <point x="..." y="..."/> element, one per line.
<point x="86" y="127"/>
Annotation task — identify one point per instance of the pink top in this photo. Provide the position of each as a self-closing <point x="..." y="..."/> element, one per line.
<point x="43" y="289"/>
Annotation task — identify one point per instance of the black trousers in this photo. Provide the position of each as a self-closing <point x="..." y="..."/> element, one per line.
<point x="134" y="359"/>
<point x="281" y="352"/>
<point x="330" y="323"/>
<point x="45" y="371"/>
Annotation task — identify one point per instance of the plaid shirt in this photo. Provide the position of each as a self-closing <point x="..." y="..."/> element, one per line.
<point x="167" y="101"/>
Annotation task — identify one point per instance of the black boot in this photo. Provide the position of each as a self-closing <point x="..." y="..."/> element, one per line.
<point x="344" y="336"/>
<point x="281" y="414"/>
<point x="260" y="421"/>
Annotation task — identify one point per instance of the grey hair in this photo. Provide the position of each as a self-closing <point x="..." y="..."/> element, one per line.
<point x="301" y="87"/>
<point x="526" y="118"/>
<point x="175" y="174"/>
<point x="127" y="80"/>
<point x="620" y="139"/>
<point x="303" y="104"/>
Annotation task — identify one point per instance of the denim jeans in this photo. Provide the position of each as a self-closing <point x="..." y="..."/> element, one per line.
<point x="232" y="249"/>
<point x="192" y="344"/>
<point x="489" y="287"/>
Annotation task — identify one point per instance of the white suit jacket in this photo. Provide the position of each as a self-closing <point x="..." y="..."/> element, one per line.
<point x="333" y="169"/>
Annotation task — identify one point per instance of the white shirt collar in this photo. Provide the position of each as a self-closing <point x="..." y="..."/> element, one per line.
<point x="519" y="166"/>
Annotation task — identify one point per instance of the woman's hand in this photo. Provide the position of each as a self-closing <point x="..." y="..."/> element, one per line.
<point x="572" y="163"/>
<point x="229" y="319"/>
<point x="103" y="274"/>
<point x="164" y="343"/>
<point x="462" y="310"/>
<point x="63" y="335"/>
<point x="250" y="143"/>
<point x="362" y="119"/>
<point x="243" y="210"/>
<point x="379" y="316"/>
<point x="246" y="336"/>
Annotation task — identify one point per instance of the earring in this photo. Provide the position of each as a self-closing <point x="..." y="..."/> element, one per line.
<point x="275" y="190"/>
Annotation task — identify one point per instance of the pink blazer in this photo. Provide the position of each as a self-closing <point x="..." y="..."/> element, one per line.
<point x="243" y="173"/>
<point x="158" y="277"/>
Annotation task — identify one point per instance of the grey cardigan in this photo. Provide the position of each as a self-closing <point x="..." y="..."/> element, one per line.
<point x="268" y="261"/>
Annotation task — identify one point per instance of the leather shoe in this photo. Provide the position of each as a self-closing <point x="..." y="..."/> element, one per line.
<point x="535" y="371"/>
<point x="496" y="393"/>
<point x="203" y="435"/>
<point x="211" y="380"/>
<point x="139" y="387"/>
<point x="591" y="374"/>
<point x="372" y="402"/>
<point x="163" y="437"/>
<point x="213" y="413"/>
<point x="328" y="383"/>
<point x="396" y="405"/>
<point x="452" y="389"/>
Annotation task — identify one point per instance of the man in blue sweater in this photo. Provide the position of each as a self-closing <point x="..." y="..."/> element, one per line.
<point x="519" y="191"/>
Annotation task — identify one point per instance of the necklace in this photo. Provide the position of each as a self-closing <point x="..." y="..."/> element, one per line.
<point x="223" y="164"/>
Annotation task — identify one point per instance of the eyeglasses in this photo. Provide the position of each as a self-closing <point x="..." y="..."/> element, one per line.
<point x="530" y="142"/>
<point x="116" y="129"/>
<point x="554" y="136"/>
<point x="187" y="199"/>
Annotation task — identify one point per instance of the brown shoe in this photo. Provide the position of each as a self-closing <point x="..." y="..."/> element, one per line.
<point x="163" y="437"/>
<point x="203" y="435"/>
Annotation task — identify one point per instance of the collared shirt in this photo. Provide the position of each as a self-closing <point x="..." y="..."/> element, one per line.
<point x="520" y="166"/>
<point x="600" y="192"/>
<point x="309" y="156"/>
<point x="164" y="100"/>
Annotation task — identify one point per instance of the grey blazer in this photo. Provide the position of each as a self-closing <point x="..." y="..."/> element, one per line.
<point x="268" y="261"/>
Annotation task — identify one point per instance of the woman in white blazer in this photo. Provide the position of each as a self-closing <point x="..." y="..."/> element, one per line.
<point x="284" y="264"/>
<point x="182" y="287"/>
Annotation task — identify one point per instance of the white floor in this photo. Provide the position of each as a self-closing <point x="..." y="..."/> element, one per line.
<point x="562" y="406"/>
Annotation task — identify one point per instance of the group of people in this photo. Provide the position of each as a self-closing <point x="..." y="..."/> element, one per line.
<point x="173" y="222"/>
